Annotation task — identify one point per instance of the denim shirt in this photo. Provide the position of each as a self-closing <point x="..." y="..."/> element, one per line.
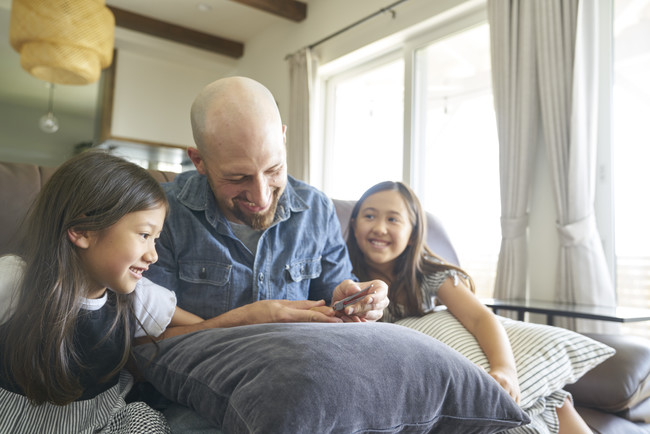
<point x="302" y="255"/>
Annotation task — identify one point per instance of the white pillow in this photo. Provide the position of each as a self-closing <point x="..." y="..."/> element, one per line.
<point x="547" y="357"/>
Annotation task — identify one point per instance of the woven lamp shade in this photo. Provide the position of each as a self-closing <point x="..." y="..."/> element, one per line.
<point x="63" y="41"/>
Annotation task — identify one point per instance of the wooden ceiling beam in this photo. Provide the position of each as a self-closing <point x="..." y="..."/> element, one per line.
<point x="289" y="9"/>
<point x="173" y="32"/>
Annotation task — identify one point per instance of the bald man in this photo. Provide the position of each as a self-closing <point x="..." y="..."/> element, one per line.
<point x="244" y="242"/>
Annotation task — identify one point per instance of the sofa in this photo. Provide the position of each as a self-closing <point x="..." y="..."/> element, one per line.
<point x="614" y="397"/>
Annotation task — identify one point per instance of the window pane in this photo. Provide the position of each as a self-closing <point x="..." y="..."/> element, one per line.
<point x="457" y="146"/>
<point x="631" y="144"/>
<point x="365" y="144"/>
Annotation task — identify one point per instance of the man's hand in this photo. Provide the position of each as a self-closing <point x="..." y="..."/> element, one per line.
<point x="260" y="312"/>
<point x="369" y="308"/>
<point x="270" y="311"/>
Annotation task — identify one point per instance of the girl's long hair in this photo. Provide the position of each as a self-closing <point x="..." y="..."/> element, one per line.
<point x="89" y="192"/>
<point x="415" y="262"/>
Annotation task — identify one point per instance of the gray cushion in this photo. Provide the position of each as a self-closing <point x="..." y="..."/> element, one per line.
<point x="368" y="377"/>
<point x="619" y="383"/>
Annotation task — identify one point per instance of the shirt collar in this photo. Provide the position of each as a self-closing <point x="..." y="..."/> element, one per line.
<point x="94" y="303"/>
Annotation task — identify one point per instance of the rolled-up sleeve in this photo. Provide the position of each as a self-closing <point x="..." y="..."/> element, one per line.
<point x="336" y="266"/>
<point x="154" y="307"/>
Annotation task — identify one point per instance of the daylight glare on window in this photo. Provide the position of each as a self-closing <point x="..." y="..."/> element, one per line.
<point x="631" y="146"/>
<point x="365" y="145"/>
<point x="458" y="176"/>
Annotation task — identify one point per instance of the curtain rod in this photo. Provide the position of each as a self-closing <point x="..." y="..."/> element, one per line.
<point x="388" y="8"/>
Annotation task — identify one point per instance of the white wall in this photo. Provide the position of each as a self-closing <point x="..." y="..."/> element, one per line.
<point x="155" y="84"/>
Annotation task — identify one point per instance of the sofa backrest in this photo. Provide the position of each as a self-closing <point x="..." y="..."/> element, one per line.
<point x="20" y="183"/>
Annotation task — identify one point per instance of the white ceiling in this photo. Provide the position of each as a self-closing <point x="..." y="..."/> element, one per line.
<point x="223" y="18"/>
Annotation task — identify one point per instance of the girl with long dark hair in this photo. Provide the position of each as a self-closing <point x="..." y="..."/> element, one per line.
<point x="73" y="299"/>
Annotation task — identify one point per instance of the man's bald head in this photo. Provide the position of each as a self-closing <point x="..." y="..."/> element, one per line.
<point x="232" y="106"/>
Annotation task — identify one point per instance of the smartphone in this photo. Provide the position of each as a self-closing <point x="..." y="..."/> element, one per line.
<point x="341" y="304"/>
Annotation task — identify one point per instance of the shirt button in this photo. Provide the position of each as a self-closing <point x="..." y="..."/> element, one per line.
<point x="203" y="274"/>
<point x="261" y="277"/>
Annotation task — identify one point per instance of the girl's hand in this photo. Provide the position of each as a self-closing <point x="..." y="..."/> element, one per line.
<point x="507" y="378"/>
<point x="325" y="310"/>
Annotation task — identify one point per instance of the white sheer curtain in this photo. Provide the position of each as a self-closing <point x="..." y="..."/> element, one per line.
<point x="568" y="75"/>
<point x="516" y="101"/>
<point x="303" y="67"/>
<point x="544" y="64"/>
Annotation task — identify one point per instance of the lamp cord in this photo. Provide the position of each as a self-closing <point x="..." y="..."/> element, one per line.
<point x="50" y="104"/>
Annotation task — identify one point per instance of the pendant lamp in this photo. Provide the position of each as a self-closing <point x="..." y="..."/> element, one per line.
<point x="63" y="41"/>
<point x="48" y="122"/>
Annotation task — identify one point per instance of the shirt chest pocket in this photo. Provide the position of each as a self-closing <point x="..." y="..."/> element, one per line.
<point x="304" y="269"/>
<point x="210" y="273"/>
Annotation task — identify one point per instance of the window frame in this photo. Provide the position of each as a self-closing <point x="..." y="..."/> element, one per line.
<point x="323" y="157"/>
<point x="407" y="46"/>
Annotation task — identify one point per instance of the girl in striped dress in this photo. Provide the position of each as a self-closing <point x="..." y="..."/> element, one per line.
<point x="73" y="298"/>
<point x="386" y="241"/>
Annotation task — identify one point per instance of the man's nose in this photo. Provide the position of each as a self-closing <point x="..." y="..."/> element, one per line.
<point x="259" y="191"/>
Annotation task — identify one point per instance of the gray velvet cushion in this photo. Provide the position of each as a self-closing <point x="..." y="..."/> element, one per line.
<point x="347" y="378"/>
<point x="619" y="383"/>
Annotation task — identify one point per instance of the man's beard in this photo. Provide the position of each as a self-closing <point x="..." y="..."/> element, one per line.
<point x="259" y="221"/>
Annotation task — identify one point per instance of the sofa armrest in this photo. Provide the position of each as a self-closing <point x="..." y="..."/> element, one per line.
<point x="607" y="423"/>
<point x="621" y="382"/>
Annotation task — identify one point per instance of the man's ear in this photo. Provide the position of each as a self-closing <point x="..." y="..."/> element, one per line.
<point x="79" y="238"/>
<point x="284" y="134"/>
<point x="196" y="158"/>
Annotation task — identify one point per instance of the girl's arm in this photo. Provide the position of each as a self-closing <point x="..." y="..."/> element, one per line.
<point x="487" y="330"/>
<point x="182" y="322"/>
<point x="182" y="317"/>
<point x="179" y="324"/>
<point x="264" y="311"/>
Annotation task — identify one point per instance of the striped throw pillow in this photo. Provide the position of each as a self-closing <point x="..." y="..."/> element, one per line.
<point x="547" y="357"/>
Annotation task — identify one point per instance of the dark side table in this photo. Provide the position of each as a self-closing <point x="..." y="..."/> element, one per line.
<point x="551" y="310"/>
